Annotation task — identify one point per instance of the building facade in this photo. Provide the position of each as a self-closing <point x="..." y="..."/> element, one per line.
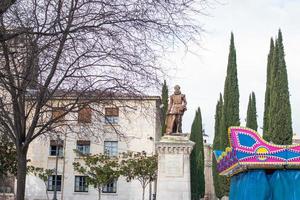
<point x="296" y="139"/>
<point x="7" y="185"/>
<point x="209" y="185"/>
<point x="121" y="125"/>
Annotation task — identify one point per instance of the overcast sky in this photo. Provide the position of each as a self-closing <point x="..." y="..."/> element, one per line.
<point x="253" y="23"/>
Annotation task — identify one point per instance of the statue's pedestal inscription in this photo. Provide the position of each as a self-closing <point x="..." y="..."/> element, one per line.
<point x="173" y="181"/>
<point x="173" y="165"/>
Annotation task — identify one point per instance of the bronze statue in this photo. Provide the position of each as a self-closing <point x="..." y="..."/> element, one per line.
<point x="177" y="106"/>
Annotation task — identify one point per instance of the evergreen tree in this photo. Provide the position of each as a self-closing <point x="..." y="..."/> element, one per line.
<point x="255" y="126"/>
<point x="249" y="110"/>
<point x="164" y="99"/>
<point x="231" y="96"/>
<point x="280" y="124"/>
<point x="251" y="121"/>
<point x="230" y="116"/>
<point x="266" y="131"/>
<point x="197" y="159"/>
<point x="216" y="146"/>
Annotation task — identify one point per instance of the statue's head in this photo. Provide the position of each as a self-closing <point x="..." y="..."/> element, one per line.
<point x="177" y="89"/>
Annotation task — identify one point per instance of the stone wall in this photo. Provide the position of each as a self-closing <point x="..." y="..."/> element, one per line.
<point x="209" y="187"/>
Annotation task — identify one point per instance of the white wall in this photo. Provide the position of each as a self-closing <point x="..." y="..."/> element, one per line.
<point x="137" y="126"/>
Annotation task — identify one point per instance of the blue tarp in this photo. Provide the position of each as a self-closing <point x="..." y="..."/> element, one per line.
<point x="258" y="185"/>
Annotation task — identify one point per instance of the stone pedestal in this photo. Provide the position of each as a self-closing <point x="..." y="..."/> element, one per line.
<point x="173" y="181"/>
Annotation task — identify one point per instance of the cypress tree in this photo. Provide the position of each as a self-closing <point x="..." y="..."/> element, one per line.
<point x="255" y="126"/>
<point x="249" y="110"/>
<point x="280" y="124"/>
<point x="230" y="116"/>
<point x="216" y="146"/>
<point x="165" y="100"/>
<point x="231" y="96"/>
<point x="251" y="121"/>
<point x="197" y="159"/>
<point x="266" y="131"/>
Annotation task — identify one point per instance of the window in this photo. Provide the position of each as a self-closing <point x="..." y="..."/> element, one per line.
<point x="111" y="148"/>
<point x="7" y="184"/>
<point x="51" y="183"/>
<point x="6" y="189"/>
<point x="83" y="146"/>
<point x="81" y="184"/>
<point x="56" y="147"/>
<point x="111" y="115"/>
<point x="110" y="187"/>
<point x="58" y="113"/>
<point x="85" y="115"/>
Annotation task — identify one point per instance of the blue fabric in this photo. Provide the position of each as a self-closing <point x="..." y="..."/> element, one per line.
<point x="246" y="140"/>
<point x="285" y="184"/>
<point x="241" y="155"/>
<point x="217" y="153"/>
<point x="257" y="185"/>
<point x="291" y="154"/>
<point x="251" y="185"/>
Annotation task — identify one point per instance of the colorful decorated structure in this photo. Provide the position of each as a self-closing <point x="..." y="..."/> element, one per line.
<point x="258" y="168"/>
<point x="249" y="151"/>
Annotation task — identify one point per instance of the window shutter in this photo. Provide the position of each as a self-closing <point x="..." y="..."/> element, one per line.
<point x="57" y="113"/>
<point x="112" y="112"/>
<point x="85" y="115"/>
<point x="54" y="143"/>
<point x="83" y="142"/>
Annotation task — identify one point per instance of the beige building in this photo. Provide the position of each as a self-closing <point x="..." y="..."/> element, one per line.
<point x="209" y="186"/>
<point x="296" y="139"/>
<point x="126" y="124"/>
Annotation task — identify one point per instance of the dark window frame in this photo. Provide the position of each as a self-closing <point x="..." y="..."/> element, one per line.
<point x="83" y="186"/>
<point x="110" y="187"/>
<point x="54" y="147"/>
<point x="50" y="187"/>
<point x="111" y="115"/>
<point x="84" y="144"/>
<point x="110" y="149"/>
<point x="7" y="185"/>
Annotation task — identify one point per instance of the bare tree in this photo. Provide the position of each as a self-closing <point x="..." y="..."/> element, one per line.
<point x="54" y="49"/>
<point x="5" y="4"/>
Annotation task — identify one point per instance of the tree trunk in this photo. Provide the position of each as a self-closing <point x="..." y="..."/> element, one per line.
<point x="47" y="194"/>
<point x="46" y="185"/>
<point x="150" y="190"/>
<point x="99" y="193"/>
<point x="5" y="4"/>
<point x="21" y="173"/>
<point x="143" y="198"/>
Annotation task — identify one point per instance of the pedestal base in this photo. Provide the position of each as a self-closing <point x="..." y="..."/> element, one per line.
<point x="173" y="181"/>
